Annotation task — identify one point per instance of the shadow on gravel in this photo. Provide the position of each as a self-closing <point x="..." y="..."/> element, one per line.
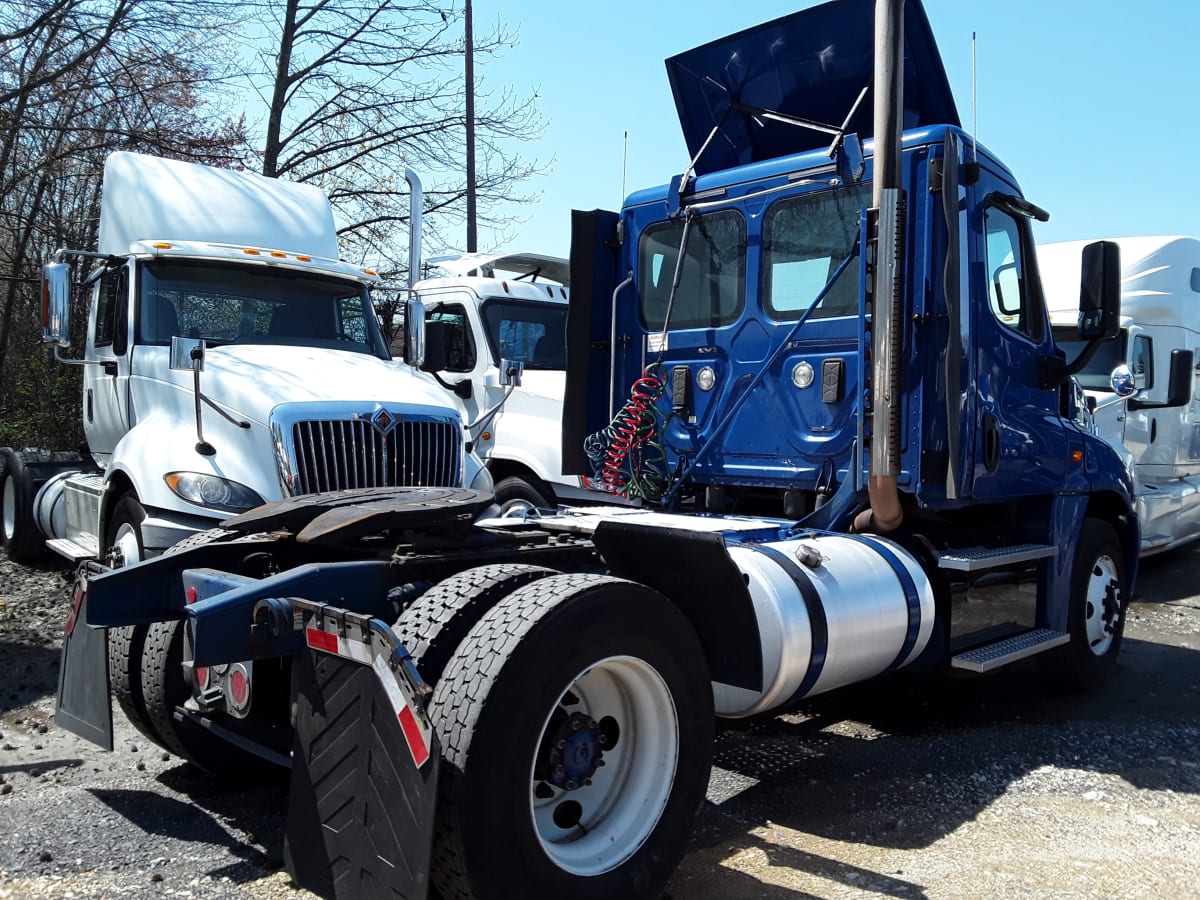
<point x="42" y="766"/>
<point x="723" y="881"/>
<point x="904" y="762"/>
<point x="30" y="673"/>
<point x="200" y="821"/>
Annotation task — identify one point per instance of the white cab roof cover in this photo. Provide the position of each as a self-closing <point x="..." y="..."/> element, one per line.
<point x="147" y="198"/>
<point x="553" y="268"/>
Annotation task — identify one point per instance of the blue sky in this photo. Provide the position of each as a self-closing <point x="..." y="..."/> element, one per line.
<point x="1093" y="106"/>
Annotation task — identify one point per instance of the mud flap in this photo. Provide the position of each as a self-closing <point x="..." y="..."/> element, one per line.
<point x="82" y="706"/>
<point x="361" y="812"/>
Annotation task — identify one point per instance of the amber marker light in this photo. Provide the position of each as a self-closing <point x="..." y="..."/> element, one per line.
<point x="279" y="254"/>
<point x="303" y="258"/>
<point x="1076" y="456"/>
<point x="486" y="436"/>
<point x="250" y="251"/>
<point x="161" y="245"/>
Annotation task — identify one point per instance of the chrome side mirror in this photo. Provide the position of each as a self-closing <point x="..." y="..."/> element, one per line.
<point x="56" y="303"/>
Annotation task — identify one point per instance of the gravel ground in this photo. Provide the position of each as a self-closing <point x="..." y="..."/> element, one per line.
<point x="914" y="787"/>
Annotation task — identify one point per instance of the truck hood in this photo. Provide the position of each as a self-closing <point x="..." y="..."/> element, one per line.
<point x="811" y="65"/>
<point x="254" y="379"/>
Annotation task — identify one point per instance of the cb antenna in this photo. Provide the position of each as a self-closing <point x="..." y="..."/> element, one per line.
<point x="974" y="106"/>
<point x="624" y="165"/>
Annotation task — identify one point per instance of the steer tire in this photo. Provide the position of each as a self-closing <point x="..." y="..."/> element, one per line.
<point x="523" y="491"/>
<point x="1096" y="618"/>
<point x="436" y="622"/>
<point x="560" y="648"/>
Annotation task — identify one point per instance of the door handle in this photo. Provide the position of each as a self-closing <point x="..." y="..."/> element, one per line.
<point x="991" y="442"/>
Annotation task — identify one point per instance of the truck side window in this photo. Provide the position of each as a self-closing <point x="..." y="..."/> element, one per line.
<point x="1142" y="362"/>
<point x="713" y="282"/>
<point x="112" y="321"/>
<point x="1007" y="292"/>
<point x="534" y="333"/>
<point x="460" y="348"/>
<point x="805" y="239"/>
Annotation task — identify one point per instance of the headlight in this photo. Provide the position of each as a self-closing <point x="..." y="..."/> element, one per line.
<point x="212" y="492"/>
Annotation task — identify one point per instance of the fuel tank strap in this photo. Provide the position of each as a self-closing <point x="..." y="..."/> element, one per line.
<point x="818" y="624"/>
<point x="911" y="597"/>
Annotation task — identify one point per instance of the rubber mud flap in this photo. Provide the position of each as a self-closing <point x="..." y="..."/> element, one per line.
<point x="361" y="813"/>
<point x="82" y="706"/>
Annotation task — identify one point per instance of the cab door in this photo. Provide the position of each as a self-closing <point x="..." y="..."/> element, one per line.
<point x="106" y="378"/>
<point x="1020" y="441"/>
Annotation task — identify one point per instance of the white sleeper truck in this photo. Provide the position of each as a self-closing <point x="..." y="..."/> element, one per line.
<point x="1139" y="396"/>
<point x="231" y="358"/>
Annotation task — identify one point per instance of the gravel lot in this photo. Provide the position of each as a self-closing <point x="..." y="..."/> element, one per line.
<point x="932" y="786"/>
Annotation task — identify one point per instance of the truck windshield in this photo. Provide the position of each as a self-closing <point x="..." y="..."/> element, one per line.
<point x="232" y="304"/>
<point x="527" y="331"/>
<point x="1096" y="375"/>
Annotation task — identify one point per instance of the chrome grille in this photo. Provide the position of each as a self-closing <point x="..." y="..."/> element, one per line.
<point x="338" y="454"/>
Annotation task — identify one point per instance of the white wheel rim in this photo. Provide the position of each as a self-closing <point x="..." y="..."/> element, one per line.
<point x="1103" y="574"/>
<point x="126" y="540"/>
<point x="10" y="508"/>
<point x="627" y="795"/>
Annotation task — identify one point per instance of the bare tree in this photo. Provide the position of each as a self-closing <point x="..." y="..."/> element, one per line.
<point x="359" y="89"/>
<point x="78" y="79"/>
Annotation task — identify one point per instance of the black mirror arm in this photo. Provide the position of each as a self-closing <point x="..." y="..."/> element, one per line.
<point x="1054" y="372"/>
<point x="460" y="388"/>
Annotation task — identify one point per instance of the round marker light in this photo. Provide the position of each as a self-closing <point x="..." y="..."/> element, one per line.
<point x="802" y="374"/>
<point x="706" y="378"/>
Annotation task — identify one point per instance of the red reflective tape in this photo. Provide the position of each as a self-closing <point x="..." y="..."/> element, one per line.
<point x="412" y="733"/>
<point x="322" y="640"/>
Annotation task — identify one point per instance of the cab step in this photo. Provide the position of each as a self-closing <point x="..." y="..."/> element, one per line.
<point x="977" y="559"/>
<point x="73" y="551"/>
<point x="1001" y="653"/>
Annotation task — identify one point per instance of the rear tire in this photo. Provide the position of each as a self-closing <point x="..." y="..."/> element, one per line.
<point x="437" y="621"/>
<point x="1096" y="619"/>
<point x="18" y="531"/>
<point x="576" y="725"/>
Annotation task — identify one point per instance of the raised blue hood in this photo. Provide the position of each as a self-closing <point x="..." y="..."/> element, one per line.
<point x="810" y="65"/>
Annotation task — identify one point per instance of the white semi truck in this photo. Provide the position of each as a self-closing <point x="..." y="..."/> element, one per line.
<point x="231" y="358"/>
<point x="499" y="309"/>
<point x="1133" y="402"/>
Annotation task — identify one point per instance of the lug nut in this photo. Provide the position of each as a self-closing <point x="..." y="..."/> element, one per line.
<point x="587" y="782"/>
<point x="576" y="724"/>
<point x="572" y="784"/>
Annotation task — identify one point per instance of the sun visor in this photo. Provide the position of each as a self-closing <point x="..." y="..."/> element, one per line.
<point x="810" y="66"/>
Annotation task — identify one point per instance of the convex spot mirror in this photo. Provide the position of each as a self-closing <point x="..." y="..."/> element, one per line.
<point x="1122" y="381"/>
<point x="187" y="353"/>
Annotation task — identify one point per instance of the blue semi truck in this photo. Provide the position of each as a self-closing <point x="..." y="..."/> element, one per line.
<point x="821" y="359"/>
